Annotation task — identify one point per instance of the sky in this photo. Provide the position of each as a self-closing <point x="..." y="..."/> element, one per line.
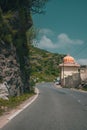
<point x="63" y="28"/>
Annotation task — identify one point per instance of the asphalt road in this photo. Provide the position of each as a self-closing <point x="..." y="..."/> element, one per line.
<point x="54" y="109"/>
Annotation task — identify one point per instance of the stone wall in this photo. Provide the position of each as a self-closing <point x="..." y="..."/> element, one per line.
<point x="72" y="81"/>
<point x="83" y="73"/>
<point x="10" y="69"/>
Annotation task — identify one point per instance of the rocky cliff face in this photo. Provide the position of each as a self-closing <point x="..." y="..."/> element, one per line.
<point x="4" y="91"/>
<point x="9" y="69"/>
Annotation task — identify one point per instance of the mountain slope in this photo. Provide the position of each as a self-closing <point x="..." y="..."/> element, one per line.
<point x="44" y="64"/>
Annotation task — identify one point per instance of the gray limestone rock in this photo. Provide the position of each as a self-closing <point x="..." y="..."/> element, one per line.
<point x="4" y="91"/>
<point x="10" y="71"/>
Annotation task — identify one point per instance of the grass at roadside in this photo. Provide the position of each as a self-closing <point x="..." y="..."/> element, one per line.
<point x="85" y="89"/>
<point x="13" y="102"/>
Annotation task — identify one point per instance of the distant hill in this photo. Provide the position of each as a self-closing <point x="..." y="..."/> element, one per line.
<point x="44" y="64"/>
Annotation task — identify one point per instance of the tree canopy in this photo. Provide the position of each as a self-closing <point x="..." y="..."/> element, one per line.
<point x="35" y="6"/>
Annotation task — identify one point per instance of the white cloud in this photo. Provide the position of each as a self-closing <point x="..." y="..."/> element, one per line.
<point x="46" y="31"/>
<point x="62" y="41"/>
<point x="45" y="43"/>
<point x="82" y="61"/>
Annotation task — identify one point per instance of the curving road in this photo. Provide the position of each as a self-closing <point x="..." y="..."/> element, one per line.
<point x="54" y="109"/>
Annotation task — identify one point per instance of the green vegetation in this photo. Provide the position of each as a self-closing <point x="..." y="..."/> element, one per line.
<point x="1" y="79"/>
<point x="85" y="89"/>
<point x="15" y="22"/>
<point x="44" y="65"/>
<point x="13" y="102"/>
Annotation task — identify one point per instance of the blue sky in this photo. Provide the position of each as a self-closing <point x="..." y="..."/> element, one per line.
<point x="63" y="28"/>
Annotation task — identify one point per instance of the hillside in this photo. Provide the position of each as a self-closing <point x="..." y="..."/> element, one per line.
<point x="44" y="64"/>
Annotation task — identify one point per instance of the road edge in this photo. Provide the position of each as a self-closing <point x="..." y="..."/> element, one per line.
<point x="6" y="118"/>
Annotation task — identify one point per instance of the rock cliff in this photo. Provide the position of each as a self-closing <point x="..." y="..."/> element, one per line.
<point x="10" y="69"/>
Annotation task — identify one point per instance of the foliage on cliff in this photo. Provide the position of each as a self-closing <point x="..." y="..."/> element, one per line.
<point x="15" y="21"/>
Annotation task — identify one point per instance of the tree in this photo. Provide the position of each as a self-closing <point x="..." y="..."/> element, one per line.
<point x="35" y="6"/>
<point x="21" y="21"/>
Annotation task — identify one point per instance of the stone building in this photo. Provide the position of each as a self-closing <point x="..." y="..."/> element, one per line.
<point x="68" y="69"/>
